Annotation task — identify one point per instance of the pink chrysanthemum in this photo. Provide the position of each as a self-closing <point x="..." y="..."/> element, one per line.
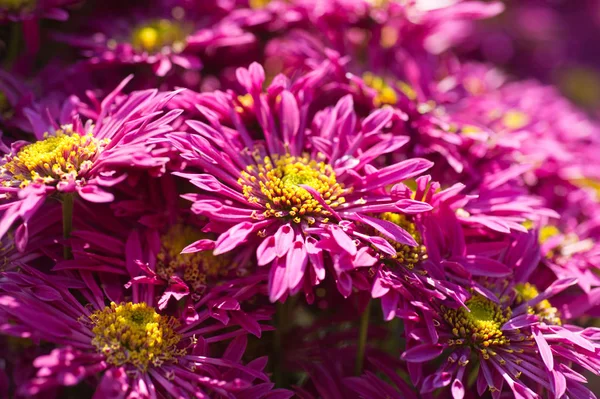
<point x="293" y="192"/>
<point x="73" y="157"/>
<point x="123" y="344"/>
<point x="510" y="330"/>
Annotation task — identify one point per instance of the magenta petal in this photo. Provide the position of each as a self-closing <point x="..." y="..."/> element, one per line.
<point x="457" y="389"/>
<point x="412" y="207"/>
<point x="544" y="348"/>
<point x="482" y="266"/>
<point x="284" y="237"/>
<point x="198" y="246"/>
<point x="296" y="261"/>
<point x="95" y="194"/>
<point x="574" y="338"/>
<point x="343" y="239"/>
<point x="422" y="353"/>
<point x="389" y="229"/>
<point x="233" y="237"/>
<point x="277" y="282"/>
<point x="265" y="253"/>
<point x="389" y="304"/>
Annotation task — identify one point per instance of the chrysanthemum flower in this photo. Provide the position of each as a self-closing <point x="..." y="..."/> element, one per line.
<point x="572" y="255"/>
<point x="510" y="330"/>
<point x="293" y="195"/>
<point x="125" y="250"/>
<point x="73" y="157"/>
<point x="157" y="37"/>
<point x="124" y="344"/>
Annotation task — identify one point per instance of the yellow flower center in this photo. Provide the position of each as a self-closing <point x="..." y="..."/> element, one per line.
<point x="155" y="35"/>
<point x="133" y="333"/>
<point x="193" y="268"/>
<point x="588" y="183"/>
<point x="406" y="255"/>
<point x="59" y="156"/>
<point x="16" y="5"/>
<point x="515" y="120"/>
<point x="276" y="183"/>
<point x="385" y="93"/>
<point x="480" y="325"/>
<point x="256" y="4"/>
<point x="526" y="292"/>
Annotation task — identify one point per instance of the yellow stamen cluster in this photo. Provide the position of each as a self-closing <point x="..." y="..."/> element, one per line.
<point x="480" y="325"/>
<point x="64" y="155"/>
<point x="385" y="93"/>
<point x="515" y="119"/>
<point x="134" y="334"/>
<point x="153" y="36"/>
<point x="275" y="183"/>
<point x="543" y="309"/>
<point x="406" y="255"/>
<point x="193" y="268"/>
<point x="256" y="4"/>
<point x="16" y="5"/>
<point x="588" y="183"/>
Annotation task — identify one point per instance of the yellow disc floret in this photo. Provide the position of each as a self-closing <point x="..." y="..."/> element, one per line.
<point x="526" y="292"/>
<point x="134" y="334"/>
<point x="63" y="155"/>
<point x="515" y="120"/>
<point x="256" y="4"/>
<point x="480" y="325"/>
<point x="406" y="255"/>
<point x="193" y="268"/>
<point x="276" y="182"/>
<point x="385" y="93"/>
<point x="153" y="36"/>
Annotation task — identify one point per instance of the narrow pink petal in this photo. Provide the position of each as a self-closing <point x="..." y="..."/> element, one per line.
<point x="544" y="349"/>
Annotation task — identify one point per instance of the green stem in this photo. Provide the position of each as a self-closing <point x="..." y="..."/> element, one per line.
<point x="14" y="45"/>
<point x="280" y="320"/>
<point x="67" y="213"/>
<point x="362" y="340"/>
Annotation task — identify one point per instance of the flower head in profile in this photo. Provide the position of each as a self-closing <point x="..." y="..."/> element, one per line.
<point x="74" y="157"/>
<point x="125" y="344"/>
<point x="511" y="330"/>
<point x="290" y="188"/>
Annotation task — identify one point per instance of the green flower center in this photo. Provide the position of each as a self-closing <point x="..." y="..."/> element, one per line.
<point x="155" y="35"/>
<point x="56" y="157"/>
<point x="133" y="333"/>
<point x="480" y="325"/>
<point x="275" y="183"/>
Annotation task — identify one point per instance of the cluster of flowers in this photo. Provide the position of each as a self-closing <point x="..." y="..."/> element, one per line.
<point x="275" y="199"/>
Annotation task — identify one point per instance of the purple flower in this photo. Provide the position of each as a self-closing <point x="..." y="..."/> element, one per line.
<point x="73" y="157"/>
<point x="157" y="37"/>
<point x="293" y="193"/>
<point x="510" y="329"/>
<point x="127" y="347"/>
